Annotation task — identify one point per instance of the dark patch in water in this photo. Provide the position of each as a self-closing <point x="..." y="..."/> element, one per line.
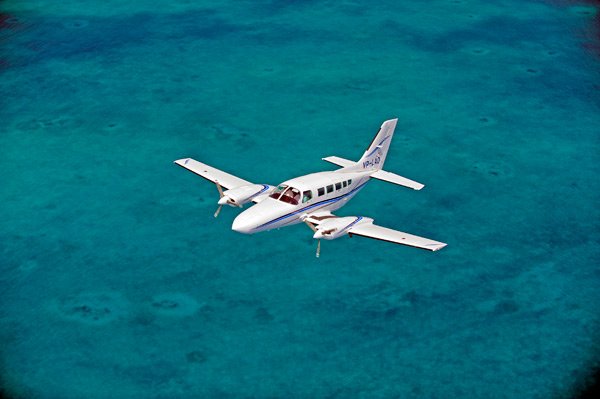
<point x="195" y="357"/>
<point x="479" y="51"/>
<point x="91" y="308"/>
<point x="85" y="311"/>
<point x="411" y="297"/>
<point x="8" y="21"/>
<point x="175" y="304"/>
<point x="262" y="315"/>
<point x="143" y="319"/>
<point x="506" y="307"/>
<point x="57" y="124"/>
<point x="76" y="24"/>
<point x="492" y="168"/>
<point x="165" y="304"/>
<point x="359" y="85"/>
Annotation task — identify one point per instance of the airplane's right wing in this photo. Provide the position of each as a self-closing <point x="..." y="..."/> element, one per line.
<point x="212" y="174"/>
<point x="239" y="191"/>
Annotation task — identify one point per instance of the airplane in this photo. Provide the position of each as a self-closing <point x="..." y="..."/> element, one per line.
<point x="312" y="198"/>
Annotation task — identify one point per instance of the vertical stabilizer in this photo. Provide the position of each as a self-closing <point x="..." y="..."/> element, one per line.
<point x="375" y="155"/>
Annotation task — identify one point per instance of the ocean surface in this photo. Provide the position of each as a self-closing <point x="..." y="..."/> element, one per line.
<point x="117" y="282"/>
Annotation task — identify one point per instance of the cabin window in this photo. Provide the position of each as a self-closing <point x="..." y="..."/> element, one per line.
<point x="306" y="196"/>
<point x="344" y="183"/>
<point x="330" y="188"/>
<point x="338" y="186"/>
<point x="321" y="191"/>
<point x="350" y="182"/>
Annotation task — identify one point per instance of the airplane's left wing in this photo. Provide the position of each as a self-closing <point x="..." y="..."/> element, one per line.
<point x="212" y="174"/>
<point x="383" y="233"/>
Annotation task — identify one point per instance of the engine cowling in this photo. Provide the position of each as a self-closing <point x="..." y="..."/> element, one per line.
<point x="241" y="195"/>
<point x="333" y="228"/>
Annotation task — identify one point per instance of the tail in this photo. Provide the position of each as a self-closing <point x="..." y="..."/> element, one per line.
<point x="373" y="159"/>
<point x="375" y="155"/>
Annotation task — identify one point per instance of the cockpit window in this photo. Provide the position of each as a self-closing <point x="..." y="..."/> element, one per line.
<point x="278" y="191"/>
<point x="291" y="196"/>
<point x="306" y="196"/>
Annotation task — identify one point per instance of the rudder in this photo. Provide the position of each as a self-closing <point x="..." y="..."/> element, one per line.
<point x="374" y="156"/>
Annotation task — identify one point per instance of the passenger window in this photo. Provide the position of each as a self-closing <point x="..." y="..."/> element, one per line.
<point x="338" y="186"/>
<point x="306" y="196"/>
<point x="330" y="188"/>
<point x="344" y="183"/>
<point x="321" y="191"/>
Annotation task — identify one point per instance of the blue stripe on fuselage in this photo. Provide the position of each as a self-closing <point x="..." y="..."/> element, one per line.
<point x="325" y="202"/>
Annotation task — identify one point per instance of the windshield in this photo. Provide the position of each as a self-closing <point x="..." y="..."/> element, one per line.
<point x="286" y="194"/>
<point x="291" y="196"/>
<point x="278" y="191"/>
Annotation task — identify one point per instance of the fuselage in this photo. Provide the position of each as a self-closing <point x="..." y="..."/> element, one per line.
<point x="294" y="198"/>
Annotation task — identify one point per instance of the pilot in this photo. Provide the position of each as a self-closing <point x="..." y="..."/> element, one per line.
<point x="296" y="195"/>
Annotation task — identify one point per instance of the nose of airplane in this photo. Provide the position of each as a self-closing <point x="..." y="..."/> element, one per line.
<point x="242" y="224"/>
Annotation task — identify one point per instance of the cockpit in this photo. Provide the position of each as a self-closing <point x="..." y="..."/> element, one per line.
<point x="290" y="195"/>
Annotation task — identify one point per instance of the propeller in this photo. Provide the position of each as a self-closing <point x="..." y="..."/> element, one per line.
<point x="318" y="248"/>
<point x="313" y="228"/>
<point x="221" y="196"/>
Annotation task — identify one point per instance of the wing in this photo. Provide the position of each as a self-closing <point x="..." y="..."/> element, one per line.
<point x="383" y="233"/>
<point x="212" y="174"/>
<point x="330" y="227"/>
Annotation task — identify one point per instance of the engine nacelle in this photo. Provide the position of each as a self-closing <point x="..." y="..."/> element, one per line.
<point x="241" y="195"/>
<point x="333" y="228"/>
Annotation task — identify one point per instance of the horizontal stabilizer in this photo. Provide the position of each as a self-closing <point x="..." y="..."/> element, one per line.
<point x="212" y="174"/>
<point x="383" y="233"/>
<point x="397" y="179"/>
<point x="339" y="161"/>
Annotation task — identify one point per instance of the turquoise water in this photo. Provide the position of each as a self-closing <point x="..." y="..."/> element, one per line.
<point x="116" y="281"/>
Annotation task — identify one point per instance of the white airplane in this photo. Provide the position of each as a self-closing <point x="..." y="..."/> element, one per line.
<point x="312" y="198"/>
